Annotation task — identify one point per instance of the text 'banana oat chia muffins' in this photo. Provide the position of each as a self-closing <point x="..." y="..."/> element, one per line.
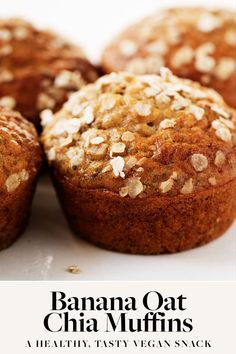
<point x="38" y="69"/>
<point x="145" y="164"/>
<point x="195" y="43"/>
<point x="20" y="161"/>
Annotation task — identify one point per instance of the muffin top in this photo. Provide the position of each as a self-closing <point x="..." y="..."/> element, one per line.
<point x="20" y="156"/>
<point x="142" y="135"/>
<point x="38" y="69"/>
<point x="195" y="43"/>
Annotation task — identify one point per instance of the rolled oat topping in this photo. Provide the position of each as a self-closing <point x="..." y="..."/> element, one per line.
<point x="205" y="64"/>
<point x="7" y="102"/>
<point x="182" y="56"/>
<point x="226" y="66"/>
<point x="208" y="22"/>
<point x="6" y="75"/>
<point x="222" y="131"/>
<point x="41" y="66"/>
<point x="46" y="117"/>
<point x="45" y="101"/>
<point x="97" y="140"/>
<point x="5" y="50"/>
<point x="212" y="181"/>
<point x="198" y="43"/>
<point x="230" y="37"/>
<point x="128" y="48"/>
<point x="113" y="135"/>
<point x="166" y="186"/>
<point x="142" y="109"/>
<point x="219" y="158"/>
<point x="187" y="187"/>
<point x="124" y="191"/>
<point x="5" y="35"/>
<point x="198" y="112"/>
<point x="134" y="186"/>
<point x="118" y="164"/>
<point x="69" y="80"/>
<point x="199" y="162"/>
<point x="20" y="33"/>
<point x="117" y="148"/>
<point x="20" y="155"/>
<point x="14" y="180"/>
<point x="167" y="123"/>
<point x="127" y="136"/>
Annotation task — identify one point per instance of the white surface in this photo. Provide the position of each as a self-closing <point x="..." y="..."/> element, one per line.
<point x="48" y="247"/>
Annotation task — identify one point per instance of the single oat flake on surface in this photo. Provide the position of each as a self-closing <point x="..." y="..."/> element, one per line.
<point x="74" y="269"/>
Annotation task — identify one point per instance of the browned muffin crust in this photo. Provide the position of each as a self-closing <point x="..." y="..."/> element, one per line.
<point x="20" y="161"/>
<point x="151" y="225"/>
<point x="195" y="43"/>
<point x="38" y="69"/>
<point x="131" y="153"/>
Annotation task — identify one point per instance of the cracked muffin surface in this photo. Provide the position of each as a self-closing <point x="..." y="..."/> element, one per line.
<point x="142" y="135"/>
<point x="195" y="43"/>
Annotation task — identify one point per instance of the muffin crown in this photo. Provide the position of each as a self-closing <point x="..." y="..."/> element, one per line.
<point x="196" y="43"/>
<point x="142" y="135"/>
<point x="40" y="63"/>
<point x="20" y="156"/>
<point x="177" y="37"/>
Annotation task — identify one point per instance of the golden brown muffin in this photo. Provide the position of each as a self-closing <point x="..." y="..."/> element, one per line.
<point x="20" y="161"/>
<point x="38" y="69"/>
<point x="195" y="43"/>
<point x="145" y="164"/>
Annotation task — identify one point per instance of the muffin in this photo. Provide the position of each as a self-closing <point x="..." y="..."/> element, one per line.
<point x="20" y="161"/>
<point x="195" y="43"/>
<point x="38" y="69"/>
<point x="145" y="163"/>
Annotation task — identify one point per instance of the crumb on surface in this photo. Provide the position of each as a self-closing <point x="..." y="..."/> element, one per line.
<point x="74" y="269"/>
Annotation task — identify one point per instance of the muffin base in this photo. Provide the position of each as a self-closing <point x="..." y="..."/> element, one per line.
<point x="151" y="225"/>
<point x="14" y="213"/>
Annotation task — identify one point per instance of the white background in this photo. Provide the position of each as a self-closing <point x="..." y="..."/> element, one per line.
<point x="93" y="22"/>
<point x="48" y="247"/>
